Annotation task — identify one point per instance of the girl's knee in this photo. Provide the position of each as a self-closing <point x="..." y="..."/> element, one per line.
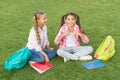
<point x="53" y="55"/>
<point x="90" y="48"/>
<point x="59" y="52"/>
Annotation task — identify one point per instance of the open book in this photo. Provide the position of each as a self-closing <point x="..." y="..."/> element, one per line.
<point x="41" y="67"/>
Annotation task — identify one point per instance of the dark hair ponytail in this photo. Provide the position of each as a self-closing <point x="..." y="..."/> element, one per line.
<point x="76" y="17"/>
<point x="78" y="23"/>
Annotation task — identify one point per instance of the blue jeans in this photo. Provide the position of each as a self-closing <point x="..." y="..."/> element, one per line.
<point x="38" y="57"/>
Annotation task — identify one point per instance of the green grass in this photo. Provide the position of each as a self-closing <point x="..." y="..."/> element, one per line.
<point x="99" y="18"/>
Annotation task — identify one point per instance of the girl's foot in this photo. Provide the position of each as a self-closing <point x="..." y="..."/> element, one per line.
<point x="65" y="59"/>
<point x="88" y="57"/>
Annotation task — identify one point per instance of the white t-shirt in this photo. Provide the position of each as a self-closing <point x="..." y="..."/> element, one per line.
<point x="32" y="41"/>
<point x="70" y="42"/>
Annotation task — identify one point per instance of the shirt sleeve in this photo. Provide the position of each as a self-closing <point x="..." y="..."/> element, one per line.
<point x="32" y="41"/>
<point x="58" y="35"/>
<point x="85" y="39"/>
<point x="46" y="37"/>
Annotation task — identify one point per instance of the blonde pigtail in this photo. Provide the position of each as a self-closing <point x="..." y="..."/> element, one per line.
<point x="36" y="29"/>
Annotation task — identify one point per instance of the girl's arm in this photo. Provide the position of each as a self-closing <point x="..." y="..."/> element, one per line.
<point x="82" y="36"/>
<point x="46" y="37"/>
<point x="61" y="34"/>
<point x="45" y="55"/>
<point x="46" y="40"/>
<point x="48" y="47"/>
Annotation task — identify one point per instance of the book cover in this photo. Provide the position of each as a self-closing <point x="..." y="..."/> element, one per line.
<point x="93" y="64"/>
<point x="41" y="67"/>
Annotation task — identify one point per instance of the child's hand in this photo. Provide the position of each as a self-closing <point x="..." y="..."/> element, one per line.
<point x="58" y="40"/>
<point x="51" y="48"/>
<point x="65" y="33"/>
<point x="46" y="59"/>
<point x="45" y="55"/>
<point x="80" y="34"/>
<point x="77" y="33"/>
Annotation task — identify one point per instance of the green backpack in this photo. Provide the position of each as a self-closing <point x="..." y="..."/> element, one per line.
<point x="18" y="59"/>
<point x="106" y="49"/>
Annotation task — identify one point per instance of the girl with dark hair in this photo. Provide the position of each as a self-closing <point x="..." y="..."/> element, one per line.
<point x="38" y="43"/>
<point x="68" y="39"/>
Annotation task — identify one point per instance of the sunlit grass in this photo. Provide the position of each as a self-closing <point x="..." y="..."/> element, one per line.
<point x="99" y="18"/>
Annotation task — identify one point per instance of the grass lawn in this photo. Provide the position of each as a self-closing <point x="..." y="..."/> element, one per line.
<point x="99" y="18"/>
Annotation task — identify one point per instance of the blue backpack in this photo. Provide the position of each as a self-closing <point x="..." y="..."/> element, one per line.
<point x="18" y="59"/>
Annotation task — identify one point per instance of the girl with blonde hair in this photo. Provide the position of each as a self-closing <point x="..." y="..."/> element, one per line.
<point x="38" y="43"/>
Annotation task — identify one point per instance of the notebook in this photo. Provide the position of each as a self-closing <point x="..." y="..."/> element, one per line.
<point x="93" y="64"/>
<point x="41" y="67"/>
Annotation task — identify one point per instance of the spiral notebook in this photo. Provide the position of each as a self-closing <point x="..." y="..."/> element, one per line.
<point x="94" y="64"/>
<point x="41" y="67"/>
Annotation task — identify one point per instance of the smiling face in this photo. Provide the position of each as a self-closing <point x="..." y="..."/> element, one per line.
<point x="70" y="20"/>
<point x="42" y="19"/>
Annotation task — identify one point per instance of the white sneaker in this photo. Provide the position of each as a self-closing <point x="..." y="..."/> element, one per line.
<point x="65" y="59"/>
<point x="88" y="57"/>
